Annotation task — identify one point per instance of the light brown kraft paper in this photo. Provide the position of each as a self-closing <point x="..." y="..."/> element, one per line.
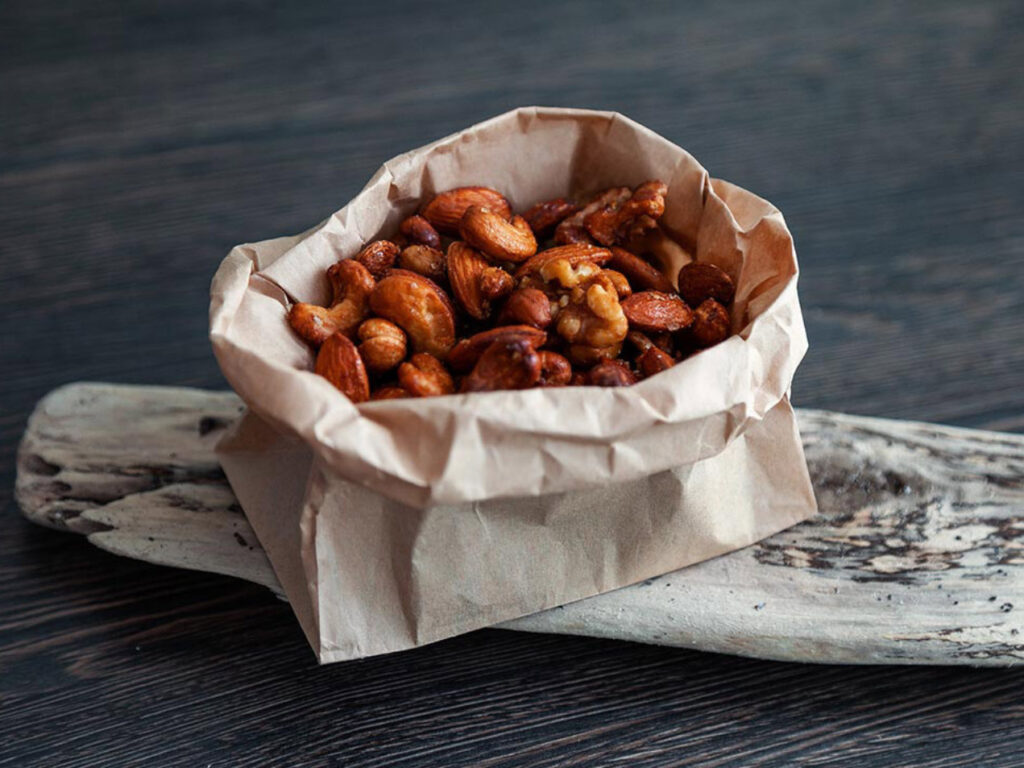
<point x="425" y="518"/>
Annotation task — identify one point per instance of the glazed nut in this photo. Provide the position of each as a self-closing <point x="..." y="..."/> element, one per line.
<point x="614" y="220"/>
<point x="419" y="231"/>
<point x="475" y="283"/>
<point x="389" y="393"/>
<point x="593" y="323"/>
<point x="654" y="361"/>
<point x="424" y="260"/>
<point x="445" y="210"/>
<point x="700" y="280"/>
<point x="351" y="285"/>
<point x="575" y="254"/>
<point x="527" y="306"/>
<point x="467" y="352"/>
<point x="544" y="216"/>
<point x="555" y="370"/>
<point x="622" y="286"/>
<point x="711" y="324"/>
<point x="378" y="257"/>
<point x="574" y="230"/>
<point x="496" y="236"/>
<point x="425" y="376"/>
<point x="641" y="274"/>
<point x="512" y="364"/>
<point x="383" y="344"/>
<point x="654" y="311"/>
<point x="419" y="307"/>
<point x="611" y="373"/>
<point x="339" y="362"/>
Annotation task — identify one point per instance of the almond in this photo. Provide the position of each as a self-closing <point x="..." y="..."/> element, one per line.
<point x="475" y="283"/>
<point x="543" y="217"/>
<point x="575" y="254"/>
<point x="339" y="362"/>
<point x="654" y="311"/>
<point x="700" y="280"/>
<point x="446" y="209"/>
<point x="512" y="364"/>
<point x="642" y="275"/>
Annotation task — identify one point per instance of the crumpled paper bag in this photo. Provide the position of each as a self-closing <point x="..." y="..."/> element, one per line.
<point x="400" y="522"/>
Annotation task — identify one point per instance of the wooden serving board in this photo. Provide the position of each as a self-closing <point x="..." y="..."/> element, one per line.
<point x="917" y="556"/>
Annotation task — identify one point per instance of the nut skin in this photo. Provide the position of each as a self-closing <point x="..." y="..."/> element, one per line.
<point x="419" y="307"/>
<point x="389" y="393"/>
<point x="512" y="364"/>
<point x="351" y="285"/>
<point x="611" y="373"/>
<point x="711" y="324"/>
<point x="496" y="236"/>
<point x="654" y="311"/>
<point x="555" y="369"/>
<point x="527" y="306"/>
<point x="654" y="361"/>
<point x="475" y="283"/>
<point x="339" y="362"/>
<point x="419" y="231"/>
<point x="574" y="230"/>
<point x="445" y="210"/>
<point x="544" y="216"/>
<point x="425" y="376"/>
<point x="575" y="254"/>
<point x="383" y="344"/>
<point x="641" y="274"/>
<point x="700" y="280"/>
<point x="467" y="352"/>
<point x="424" y="260"/>
<point x="378" y="257"/>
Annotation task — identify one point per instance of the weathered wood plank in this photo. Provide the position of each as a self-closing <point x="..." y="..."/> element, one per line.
<point x="917" y="556"/>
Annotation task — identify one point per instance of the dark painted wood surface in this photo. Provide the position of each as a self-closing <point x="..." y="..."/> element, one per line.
<point x="138" y="142"/>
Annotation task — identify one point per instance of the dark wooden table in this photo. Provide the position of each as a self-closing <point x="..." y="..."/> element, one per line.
<point x="140" y="141"/>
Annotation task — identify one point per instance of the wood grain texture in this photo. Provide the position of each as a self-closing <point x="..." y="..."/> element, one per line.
<point x="915" y="558"/>
<point x="140" y="141"/>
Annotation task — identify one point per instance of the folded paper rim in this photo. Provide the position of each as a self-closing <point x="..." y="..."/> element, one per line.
<point x="463" y="433"/>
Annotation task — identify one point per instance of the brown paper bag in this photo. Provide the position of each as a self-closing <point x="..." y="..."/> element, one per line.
<point x="396" y="523"/>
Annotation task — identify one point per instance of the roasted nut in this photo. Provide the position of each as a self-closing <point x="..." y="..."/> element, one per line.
<point x="496" y="236"/>
<point x="575" y="254"/>
<point x="424" y="260"/>
<point x="351" y="286"/>
<point x="561" y="274"/>
<point x="512" y="364"/>
<point x="641" y="275"/>
<point x="573" y="229"/>
<point x="654" y="361"/>
<point x="616" y="220"/>
<point x="466" y="353"/>
<point x="663" y="341"/>
<point x="579" y="379"/>
<point x="593" y="322"/>
<point x="700" y="280"/>
<point x="389" y="393"/>
<point x="475" y="282"/>
<point x="555" y="370"/>
<point x="419" y="307"/>
<point x="425" y="376"/>
<point x="622" y="286"/>
<point x="378" y="257"/>
<point x="420" y="232"/>
<point x="640" y="341"/>
<point x="710" y="325"/>
<point x="446" y="209"/>
<point x="339" y="362"/>
<point x="543" y="217"/>
<point x="611" y="373"/>
<point x="383" y="344"/>
<point x="655" y="311"/>
<point x="527" y="306"/>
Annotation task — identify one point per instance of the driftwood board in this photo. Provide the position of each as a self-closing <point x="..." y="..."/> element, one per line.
<point x="917" y="556"/>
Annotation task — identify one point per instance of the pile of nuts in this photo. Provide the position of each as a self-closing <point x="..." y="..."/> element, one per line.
<point x="588" y="308"/>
